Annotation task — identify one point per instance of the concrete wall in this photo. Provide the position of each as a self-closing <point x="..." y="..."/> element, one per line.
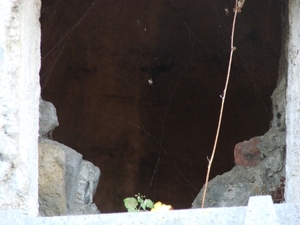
<point x="292" y="193"/>
<point x="19" y="102"/>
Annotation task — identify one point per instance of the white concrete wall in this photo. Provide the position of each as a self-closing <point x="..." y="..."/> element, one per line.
<point x="19" y="104"/>
<point x="19" y="101"/>
<point x="292" y="189"/>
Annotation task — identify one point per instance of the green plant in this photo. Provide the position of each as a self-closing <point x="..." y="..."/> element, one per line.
<point x="138" y="203"/>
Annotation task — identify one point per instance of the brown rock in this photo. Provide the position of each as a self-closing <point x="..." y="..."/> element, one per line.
<point x="246" y="153"/>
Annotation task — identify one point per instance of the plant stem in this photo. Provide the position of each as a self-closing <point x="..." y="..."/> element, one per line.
<point x="238" y="6"/>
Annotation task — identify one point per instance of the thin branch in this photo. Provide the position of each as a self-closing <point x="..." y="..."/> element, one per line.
<point x="237" y="9"/>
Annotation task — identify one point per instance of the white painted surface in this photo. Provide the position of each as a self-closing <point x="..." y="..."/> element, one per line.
<point x="284" y="214"/>
<point x="19" y="104"/>
<point x="260" y="210"/>
<point x="292" y="190"/>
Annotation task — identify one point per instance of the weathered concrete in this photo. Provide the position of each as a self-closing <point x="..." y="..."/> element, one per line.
<point x="16" y="120"/>
<point x="19" y="100"/>
<point x="260" y="211"/>
<point x="292" y="191"/>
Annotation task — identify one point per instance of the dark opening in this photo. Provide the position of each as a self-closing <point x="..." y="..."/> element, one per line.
<point x="137" y="87"/>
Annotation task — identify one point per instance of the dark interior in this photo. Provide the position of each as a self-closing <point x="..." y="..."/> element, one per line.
<point x="137" y="87"/>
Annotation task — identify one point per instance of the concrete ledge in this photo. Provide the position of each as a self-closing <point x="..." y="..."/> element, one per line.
<point x="220" y="216"/>
<point x="259" y="211"/>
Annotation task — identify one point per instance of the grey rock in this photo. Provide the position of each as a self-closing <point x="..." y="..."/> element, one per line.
<point x="82" y="199"/>
<point x="73" y="165"/>
<point x="48" y="119"/>
<point x="229" y="189"/>
<point x="67" y="183"/>
<point x="86" y="209"/>
<point x="279" y="104"/>
<point x="236" y="186"/>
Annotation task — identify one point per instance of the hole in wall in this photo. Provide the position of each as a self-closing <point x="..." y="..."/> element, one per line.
<point x="137" y="89"/>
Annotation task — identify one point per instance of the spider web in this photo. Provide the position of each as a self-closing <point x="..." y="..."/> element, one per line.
<point x="137" y="88"/>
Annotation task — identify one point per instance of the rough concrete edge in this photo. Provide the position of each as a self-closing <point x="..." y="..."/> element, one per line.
<point x="292" y="193"/>
<point x="261" y="210"/>
<point x="20" y="65"/>
<point x="29" y="77"/>
<point x="286" y="214"/>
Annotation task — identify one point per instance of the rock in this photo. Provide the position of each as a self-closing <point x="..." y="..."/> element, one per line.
<point x="67" y="183"/>
<point x="264" y="174"/>
<point x="279" y="102"/>
<point x="87" y="185"/>
<point x="273" y="147"/>
<point x="48" y="119"/>
<point x="52" y="186"/>
<point x="73" y="165"/>
<point x="246" y="153"/>
<point x="236" y="186"/>
<point x="231" y="189"/>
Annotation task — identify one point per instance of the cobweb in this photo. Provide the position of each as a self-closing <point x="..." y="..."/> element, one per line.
<point x="137" y="87"/>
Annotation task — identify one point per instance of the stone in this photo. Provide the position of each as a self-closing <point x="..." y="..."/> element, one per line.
<point x="47" y="119"/>
<point x="246" y="153"/>
<point x="231" y="189"/>
<point x="236" y="186"/>
<point x="273" y="148"/>
<point x="67" y="183"/>
<point x="86" y="188"/>
<point x="73" y="165"/>
<point x="52" y="186"/>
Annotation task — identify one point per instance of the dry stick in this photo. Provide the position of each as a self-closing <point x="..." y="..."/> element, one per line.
<point x="238" y="6"/>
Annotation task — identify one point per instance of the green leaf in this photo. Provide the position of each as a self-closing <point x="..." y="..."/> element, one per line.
<point x="147" y="204"/>
<point x="130" y="204"/>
